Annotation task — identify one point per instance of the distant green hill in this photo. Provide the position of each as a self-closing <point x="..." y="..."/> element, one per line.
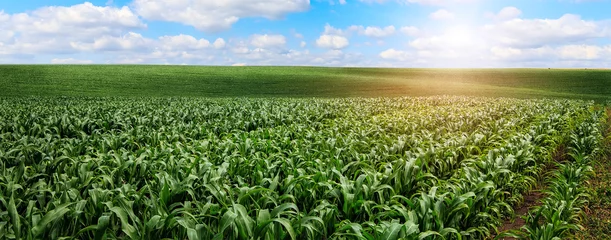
<point x="152" y="80"/>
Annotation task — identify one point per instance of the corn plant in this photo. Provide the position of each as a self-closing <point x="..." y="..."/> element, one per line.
<point x="366" y="168"/>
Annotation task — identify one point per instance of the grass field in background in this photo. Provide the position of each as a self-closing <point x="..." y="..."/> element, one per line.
<point x="155" y="80"/>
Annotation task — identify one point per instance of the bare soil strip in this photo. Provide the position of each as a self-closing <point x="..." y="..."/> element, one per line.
<point x="597" y="222"/>
<point x="532" y="198"/>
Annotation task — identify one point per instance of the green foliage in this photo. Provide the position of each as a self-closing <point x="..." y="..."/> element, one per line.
<point x="383" y="168"/>
<point x="273" y="81"/>
<point x="561" y="210"/>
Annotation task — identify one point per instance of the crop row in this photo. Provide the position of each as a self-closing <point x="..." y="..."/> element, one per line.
<point x="561" y="211"/>
<point x="413" y="168"/>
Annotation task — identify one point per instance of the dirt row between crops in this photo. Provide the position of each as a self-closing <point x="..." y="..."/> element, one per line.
<point x="597" y="222"/>
<point x="534" y="197"/>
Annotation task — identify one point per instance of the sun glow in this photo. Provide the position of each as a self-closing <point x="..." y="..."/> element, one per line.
<point x="460" y="36"/>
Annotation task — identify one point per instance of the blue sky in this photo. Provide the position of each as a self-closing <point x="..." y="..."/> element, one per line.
<point x="376" y="33"/>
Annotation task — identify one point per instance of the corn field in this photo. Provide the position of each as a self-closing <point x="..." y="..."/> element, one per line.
<point x="383" y="168"/>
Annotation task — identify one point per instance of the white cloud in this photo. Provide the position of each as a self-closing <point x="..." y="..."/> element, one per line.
<point x="259" y="47"/>
<point x="506" y="13"/>
<point x="509" y="41"/>
<point x="539" y="32"/>
<point x="183" y="42"/>
<point x="332" y="41"/>
<point x="374" y="31"/>
<point x="410" y="30"/>
<point x="441" y="2"/>
<point x="585" y="52"/>
<point x="70" y="61"/>
<point x="42" y="46"/>
<point x="565" y="42"/>
<point x="76" y="21"/>
<point x="259" y="54"/>
<point x="85" y="31"/>
<point x="6" y="36"/>
<point x="304" y="57"/>
<point x="455" y="46"/>
<point x="509" y="54"/>
<point x="459" y="38"/>
<point x="392" y="54"/>
<point x="130" y="41"/>
<point x="4" y="17"/>
<point x="330" y="30"/>
<point x="369" y="31"/>
<point x="53" y="29"/>
<point x="442" y="14"/>
<point x="426" y="2"/>
<point x="337" y="58"/>
<point x="267" y="41"/>
<point x="553" y="54"/>
<point x="127" y="60"/>
<point x="219" y="43"/>
<point x="240" y="50"/>
<point x="214" y="15"/>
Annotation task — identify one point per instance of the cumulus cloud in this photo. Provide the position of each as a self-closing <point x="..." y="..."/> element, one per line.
<point x="42" y="46"/>
<point x="463" y="38"/>
<point x="539" y="32"/>
<point x="266" y="41"/>
<point x="4" y="17"/>
<point x="392" y="54"/>
<point x="508" y="41"/>
<point x="78" y="21"/>
<point x="214" y="15"/>
<point x="581" y="52"/>
<point x="6" y="36"/>
<point x="130" y="41"/>
<point x="505" y="13"/>
<point x="373" y="31"/>
<point x="585" y="52"/>
<point x="441" y="2"/>
<point x="330" y="30"/>
<point x="126" y="47"/>
<point x="410" y="30"/>
<point x="183" y="42"/>
<point x="69" y="61"/>
<point x="332" y="41"/>
<point x="69" y="34"/>
<point x="219" y="43"/>
<point x="261" y="56"/>
<point x="54" y="29"/>
<point x="426" y="2"/>
<point x="442" y="14"/>
<point x="369" y="31"/>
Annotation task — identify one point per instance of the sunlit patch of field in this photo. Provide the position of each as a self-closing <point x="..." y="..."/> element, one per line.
<point x="128" y="80"/>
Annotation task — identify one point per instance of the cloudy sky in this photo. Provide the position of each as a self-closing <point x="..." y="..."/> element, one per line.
<point x="382" y="33"/>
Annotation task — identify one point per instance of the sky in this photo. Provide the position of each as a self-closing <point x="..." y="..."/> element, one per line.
<point x="349" y="33"/>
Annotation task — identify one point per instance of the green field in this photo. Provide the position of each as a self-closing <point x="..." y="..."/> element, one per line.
<point x="129" y="80"/>
<point x="245" y="153"/>
<point x="347" y="168"/>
